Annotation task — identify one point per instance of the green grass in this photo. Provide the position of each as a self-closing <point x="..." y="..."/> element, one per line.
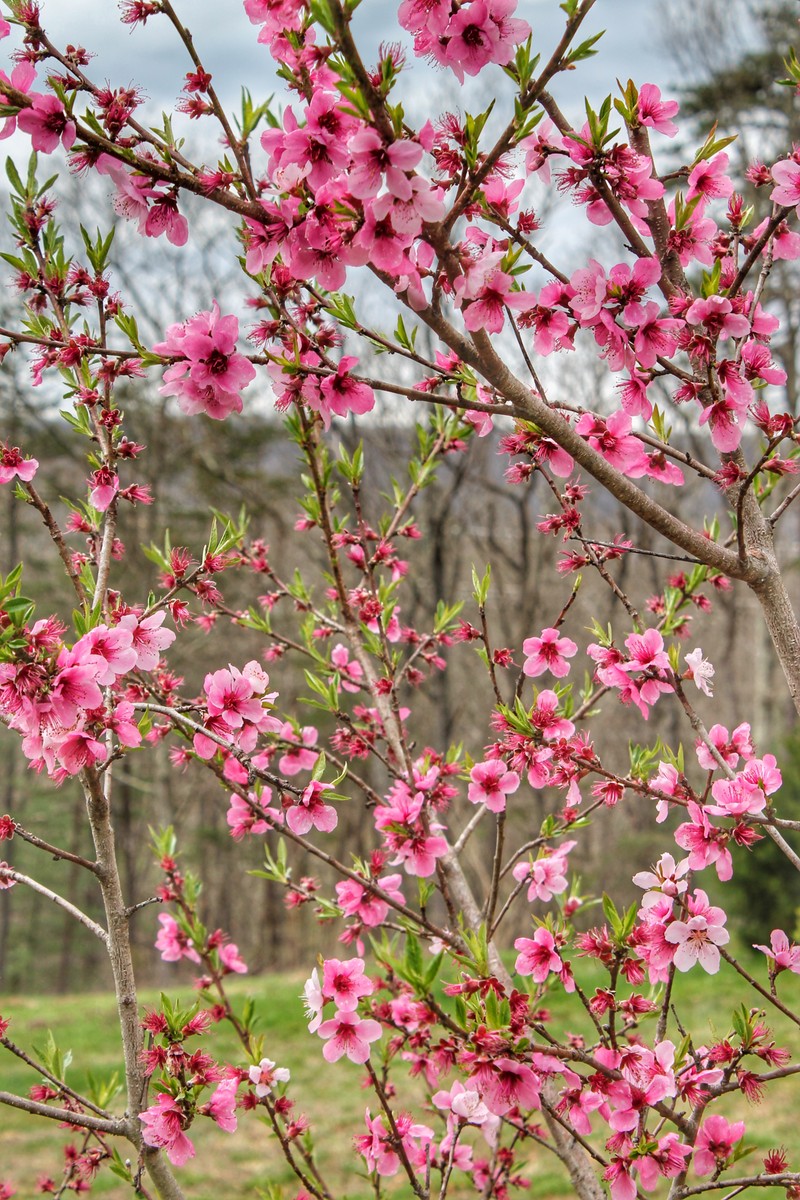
<point x="232" y="1167"/>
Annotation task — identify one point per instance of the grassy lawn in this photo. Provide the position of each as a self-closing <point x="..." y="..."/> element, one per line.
<point x="232" y="1167"/>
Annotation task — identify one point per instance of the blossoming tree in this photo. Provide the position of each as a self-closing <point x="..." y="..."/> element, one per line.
<point x="335" y="184"/>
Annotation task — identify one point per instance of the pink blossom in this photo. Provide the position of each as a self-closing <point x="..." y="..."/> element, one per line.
<point x="717" y="316"/>
<point x="243" y="817"/>
<point x="80" y="749"/>
<point x="208" y="374"/>
<point x="698" y="939"/>
<point x="345" y="983"/>
<point x="221" y="1107"/>
<point x="300" y="757"/>
<point x="346" y="1033"/>
<point x="786" y="174"/>
<point x="104" y="485"/>
<point x="546" y="876"/>
<point x="647" y="652"/>
<point x="163" y="1128"/>
<point x="666" y="879"/>
<point x="545" y="717"/>
<point x="47" y="123"/>
<point x="463" y="1103"/>
<point x="715" y="1142"/>
<point x="310" y="811"/>
<point x="13" y="465"/>
<point x="231" y="698"/>
<point x="380" y="1149"/>
<point x="123" y="723"/>
<point x="356" y="900"/>
<point x="350" y="670"/>
<point x="538" y="955"/>
<point x="148" y="639"/>
<point x="706" y="844"/>
<point x="431" y="15"/>
<point x="340" y="393"/>
<point x="548" y="653"/>
<point x="173" y="943"/>
<point x="708" y="179"/>
<point x="163" y="217"/>
<point x="314" y="1001"/>
<point x="700" y="671"/>
<point x="736" y="797"/>
<point x="655" y="112"/>
<point x="729" y="747"/>
<point x="372" y="160"/>
<point x="613" y="439"/>
<point x="265" y="1075"/>
<point x="231" y="960"/>
<point x="490" y="783"/>
<point x="114" y="648"/>
<point x="505" y="1084"/>
<point x="784" y="955"/>
<point x="489" y="292"/>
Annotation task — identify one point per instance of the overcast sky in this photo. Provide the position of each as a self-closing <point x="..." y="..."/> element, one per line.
<point x="151" y="57"/>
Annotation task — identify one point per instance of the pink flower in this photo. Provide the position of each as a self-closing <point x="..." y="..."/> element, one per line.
<point x="379" y="1146"/>
<point x="373" y="159"/>
<point x="266" y="1075"/>
<point x="545" y="718"/>
<point x="489" y="292"/>
<point x="208" y="374"/>
<point x="80" y="749"/>
<point x="700" y="671"/>
<point x="698" y="938"/>
<point x="730" y="747"/>
<point x="784" y="955"/>
<point x="715" y="1142"/>
<point x="341" y="394"/>
<point x="717" y="316"/>
<point x="708" y="179"/>
<point x="505" y="1084"/>
<point x="148" y="639"/>
<point x="538" y="955"/>
<point x="222" y="1105"/>
<point x="104" y="485"/>
<point x="347" y="1034"/>
<point x="173" y="943"/>
<point x="299" y="757"/>
<point x="547" y="875"/>
<point x="548" y="653"/>
<point x="13" y="465"/>
<point x="666" y="879"/>
<point x="490" y="783"/>
<point x="349" y="669"/>
<point x="163" y="1128"/>
<point x="243" y="819"/>
<point x="314" y="1001"/>
<point x="47" y="123"/>
<point x="647" y="652"/>
<point x="231" y="698"/>
<point x="356" y="900"/>
<point x="112" y="647"/>
<point x="613" y="439"/>
<point x="787" y="176"/>
<point x="310" y="811"/>
<point x="231" y="960"/>
<point x="655" y="112"/>
<point x="464" y="1103"/>
<point x="706" y="844"/>
<point x="345" y="983"/>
